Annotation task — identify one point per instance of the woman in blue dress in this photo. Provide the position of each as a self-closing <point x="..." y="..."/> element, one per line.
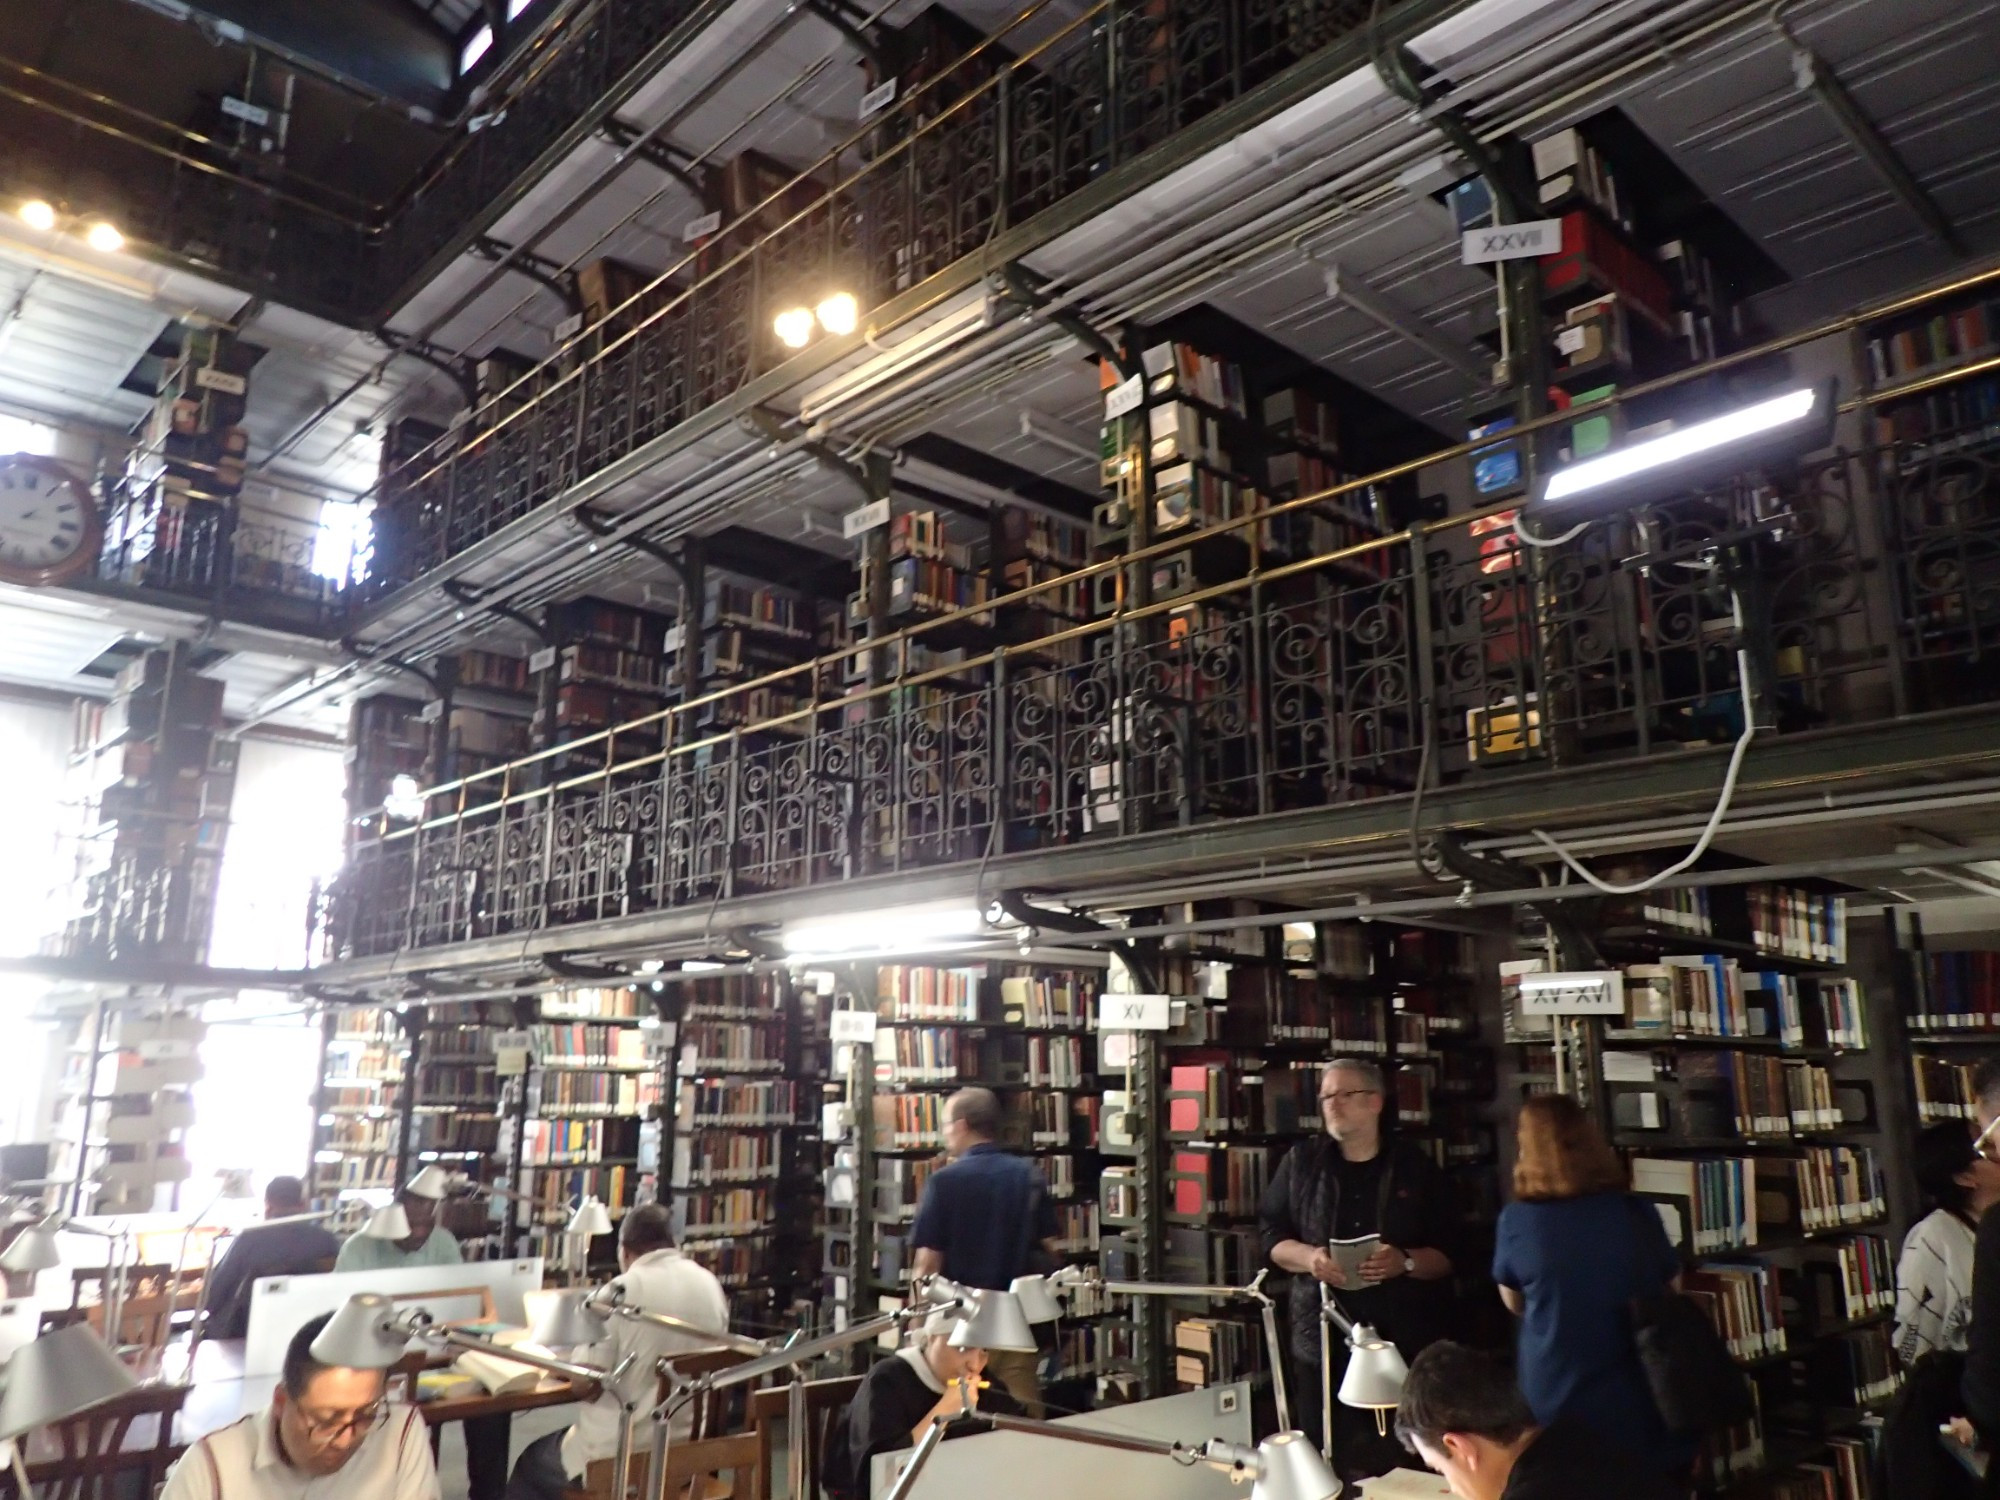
<point x="1573" y="1250"/>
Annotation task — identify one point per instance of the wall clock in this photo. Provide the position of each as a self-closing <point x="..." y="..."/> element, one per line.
<point x="50" y="527"/>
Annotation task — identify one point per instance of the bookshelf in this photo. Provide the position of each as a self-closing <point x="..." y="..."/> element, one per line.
<point x="125" y="1106"/>
<point x="1734" y="1083"/>
<point x="602" y="664"/>
<point x="586" y="1121"/>
<point x="1950" y="1002"/>
<point x="744" y="1159"/>
<point x="361" y="1115"/>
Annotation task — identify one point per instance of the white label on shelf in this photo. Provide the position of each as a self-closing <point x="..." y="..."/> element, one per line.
<point x="1134" y="1013"/>
<point x="879" y="97"/>
<point x="569" y="327"/>
<point x="1599" y="992"/>
<point x="242" y="109"/>
<point x="512" y="1051"/>
<point x="220" y="380"/>
<point x="542" y="660"/>
<point x="701" y="228"/>
<point x="875" y="513"/>
<point x="1628" y="1067"/>
<point x="1480" y="247"/>
<point x="855" y="1026"/>
<point x="1114" y="1050"/>
<point x="1569" y="340"/>
<point x="161" y="1050"/>
<point x="431" y="712"/>
<point x="1123" y="397"/>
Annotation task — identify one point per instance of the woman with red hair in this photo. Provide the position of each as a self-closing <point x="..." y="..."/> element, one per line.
<point x="1573" y="1250"/>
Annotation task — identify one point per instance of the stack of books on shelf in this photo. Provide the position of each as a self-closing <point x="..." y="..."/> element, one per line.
<point x="1058" y="1002"/>
<point x="919" y="993"/>
<point x="1823" y="1188"/>
<point x="578" y="1044"/>
<point x="1714" y="1199"/>
<point x="1799" y="924"/>
<point x="1216" y="1351"/>
<point x="710" y="1157"/>
<point x="566" y="1093"/>
<point x="556" y="1143"/>
<point x="731" y="1047"/>
<point x="1742" y="1299"/>
<point x="709" y="1102"/>
<point x="1844" y="1281"/>
<point x="608" y="1002"/>
<point x="1944" y="1089"/>
<point x="728" y="1211"/>
<point x="1956" y="992"/>
<point x="1205" y="1181"/>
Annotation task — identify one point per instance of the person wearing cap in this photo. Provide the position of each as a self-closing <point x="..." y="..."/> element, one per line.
<point x="427" y="1243"/>
<point x="330" y="1432"/>
<point x="927" y="1382"/>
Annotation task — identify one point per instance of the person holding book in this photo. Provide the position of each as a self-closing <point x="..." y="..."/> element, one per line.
<point x="1462" y="1414"/>
<point x="1571" y="1253"/>
<point x="1347" y="1184"/>
<point x="927" y="1382"/>
<point x="329" y="1432"/>
<point x="984" y="1219"/>
<point x="1934" y="1272"/>
<point x="656" y="1278"/>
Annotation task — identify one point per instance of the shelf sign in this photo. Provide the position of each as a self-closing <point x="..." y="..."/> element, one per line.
<point x="878" y="98"/>
<point x="242" y="109"/>
<point x="855" y="1026"/>
<point x="1134" y="1013"/>
<point x="569" y="328"/>
<point x="701" y="228"/>
<point x="875" y="513"/>
<point x="1481" y="247"/>
<point x="511" y="1052"/>
<point x="1123" y="397"/>
<point x="220" y="380"/>
<point x="542" y="660"/>
<point x="1596" y="992"/>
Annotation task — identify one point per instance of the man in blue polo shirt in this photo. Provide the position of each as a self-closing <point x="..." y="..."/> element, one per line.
<point x="985" y="1219"/>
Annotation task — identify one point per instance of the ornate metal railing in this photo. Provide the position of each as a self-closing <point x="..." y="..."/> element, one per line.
<point x="1870" y="582"/>
<point x="956" y="160"/>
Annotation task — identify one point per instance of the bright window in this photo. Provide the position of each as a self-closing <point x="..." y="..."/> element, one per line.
<point x="341" y="543"/>
<point x="515" y="7"/>
<point x="477" y="47"/>
<point x="19" y="435"/>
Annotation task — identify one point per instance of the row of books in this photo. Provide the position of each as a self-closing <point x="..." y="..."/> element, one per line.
<point x="1055" y="1062"/>
<point x="730" y="997"/>
<point x="907" y="1122"/>
<point x="637" y="671"/>
<point x="460" y="1042"/>
<point x="360" y="1134"/>
<point x="742" y="1210"/>
<point x="1967" y="412"/>
<point x="899" y="1185"/>
<point x="1767" y="1095"/>
<point x="1085" y="1351"/>
<point x="1957" y="334"/>
<point x="934" y="587"/>
<point x="470" y="1085"/>
<point x="1944" y="1089"/>
<point x="457" y="1131"/>
<point x="733" y="1263"/>
<point x="778" y="611"/>
<point x="927" y="1054"/>
<point x="1076" y="1228"/>
<point x="1826" y="1187"/>
<point x="915" y="992"/>
<point x="1956" y="991"/>
<point x="710" y="1102"/>
<point x="1209" y="1180"/>
<point x="1742" y="1299"/>
<point x="1843" y="1475"/>
<point x="1796" y="923"/>
<point x="1216" y="1351"/>
<point x="1220" y="1098"/>
<point x="489" y="669"/>
<point x="602" y="1002"/>
<point x="1180" y="367"/>
<point x="561" y="1094"/>
<point x="554" y="1194"/>
<point x="578" y="1044"/>
<point x="704" y="1157"/>
<point x="1051" y="1001"/>
<point x="1059" y="1119"/>
<point x="1846" y="1280"/>
<point x="561" y="1142"/>
<point x="724" y="1046"/>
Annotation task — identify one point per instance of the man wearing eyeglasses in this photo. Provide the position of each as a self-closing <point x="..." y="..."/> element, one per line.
<point x="1351" y="1182"/>
<point x="329" y="1432"/>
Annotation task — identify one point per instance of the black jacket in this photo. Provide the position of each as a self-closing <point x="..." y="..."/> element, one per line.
<point x="891" y="1401"/>
<point x="1412" y="1211"/>
<point x="1981" y="1385"/>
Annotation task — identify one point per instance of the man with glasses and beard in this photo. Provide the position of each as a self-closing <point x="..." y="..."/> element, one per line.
<point x="1348" y="1183"/>
<point x="329" y="1432"/>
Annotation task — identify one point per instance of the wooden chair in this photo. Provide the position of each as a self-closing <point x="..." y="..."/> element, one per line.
<point x="139" y="1280"/>
<point x="101" y="1454"/>
<point x="713" y="1413"/>
<point x="144" y="1320"/>
<point x="826" y="1403"/>
<point x="724" y="1468"/>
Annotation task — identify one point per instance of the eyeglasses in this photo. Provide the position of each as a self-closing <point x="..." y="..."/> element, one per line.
<point x="1347" y="1096"/>
<point x="331" y="1429"/>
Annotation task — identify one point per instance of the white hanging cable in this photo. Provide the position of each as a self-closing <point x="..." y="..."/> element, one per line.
<point x="1549" y="541"/>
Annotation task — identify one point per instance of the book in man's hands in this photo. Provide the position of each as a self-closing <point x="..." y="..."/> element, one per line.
<point x="1348" y="1254"/>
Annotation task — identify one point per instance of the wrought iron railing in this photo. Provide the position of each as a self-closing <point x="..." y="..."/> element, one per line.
<point x="956" y="160"/>
<point x="1871" y="581"/>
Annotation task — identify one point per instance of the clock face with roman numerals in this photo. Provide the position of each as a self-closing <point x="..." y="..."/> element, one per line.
<point x="50" y="529"/>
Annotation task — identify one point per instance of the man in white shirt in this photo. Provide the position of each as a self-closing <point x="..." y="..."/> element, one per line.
<point x="329" y="1431"/>
<point x="657" y="1278"/>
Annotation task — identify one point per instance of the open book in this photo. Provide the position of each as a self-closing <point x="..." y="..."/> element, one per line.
<point x="1348" y="1254"/>
<point x="500" y="1377"/>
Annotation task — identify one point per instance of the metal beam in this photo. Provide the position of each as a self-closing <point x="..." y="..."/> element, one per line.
<point x="552" y="274"/>
<point x="1343" y="285"/>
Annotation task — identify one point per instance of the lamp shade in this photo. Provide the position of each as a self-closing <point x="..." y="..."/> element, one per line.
<point x="591" y="1217"/>
<point x="1375" y="1372"/>
<point x="33" y="1249"/>
<point x="432" y="1182"/>
<point x="362" y="1334"/>
<point x="1037" y="1298"/>
<point x="389" y="1223"/>
<point x="567" y="1318"/>
<point x="995" y="1321"/>
<point x="56" y="1376"/>
<point x="1289" y="1467"/>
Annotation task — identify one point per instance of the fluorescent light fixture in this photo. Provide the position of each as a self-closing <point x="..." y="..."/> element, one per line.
<point x="1793" y="423"/>
<point x="104" y="238"/>
<point x="885" y="931"/>
<point x="794" y="327"/>
<point x="39" y="214"/>
<point x="475" y="48"/>
<point x="515" y="7"/>
<point x="839" y="313"/>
